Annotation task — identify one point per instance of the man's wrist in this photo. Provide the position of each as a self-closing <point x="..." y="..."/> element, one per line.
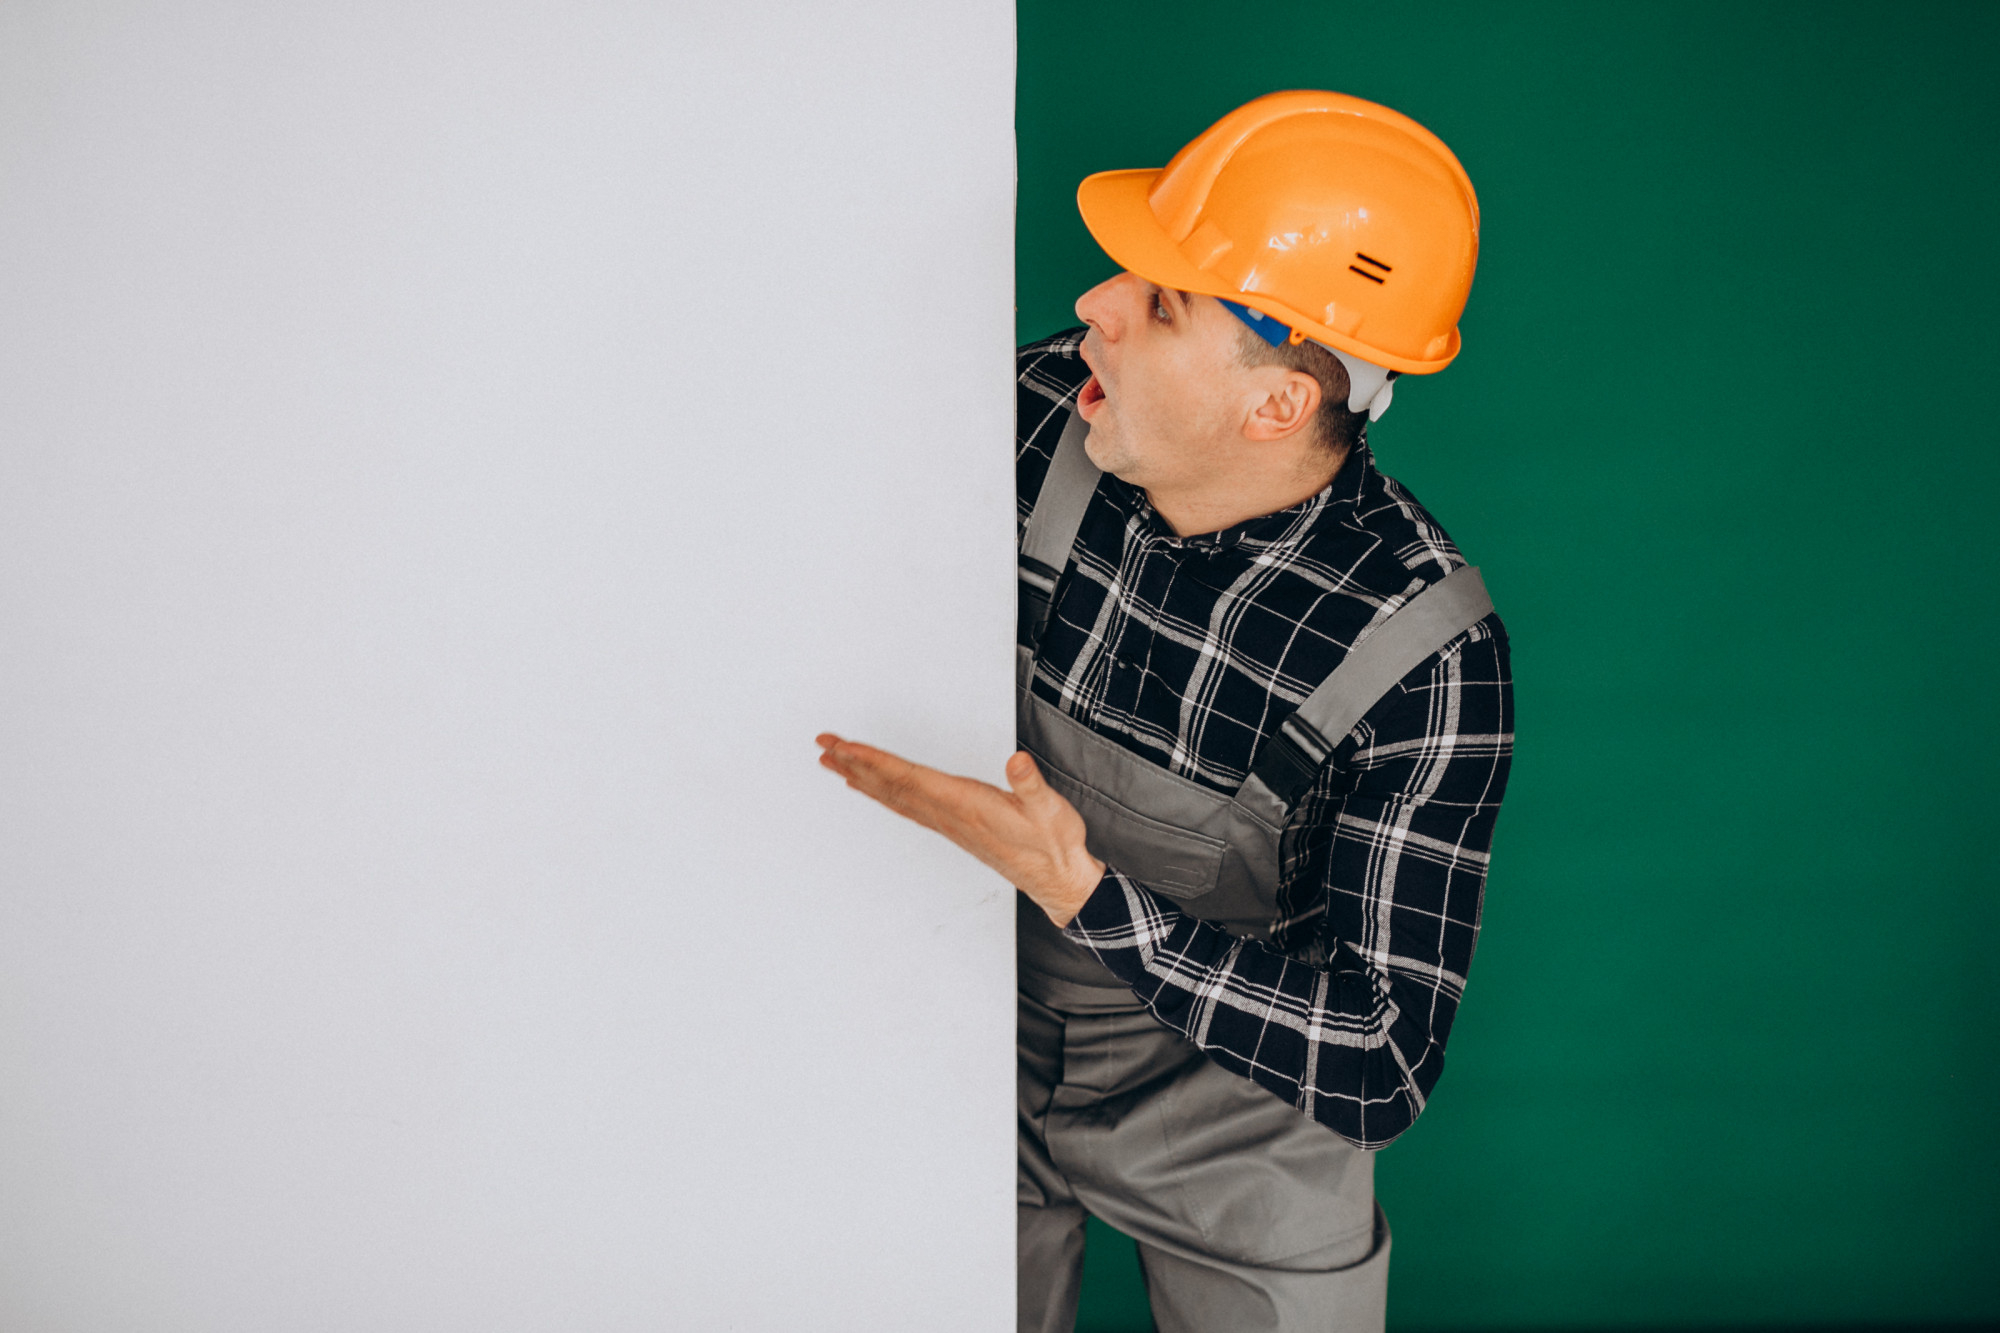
<point x="1062" y="908"/>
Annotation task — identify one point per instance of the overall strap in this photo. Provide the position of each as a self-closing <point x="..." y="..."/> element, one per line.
<point x="1430" y="620"/>
<point x="1051" y="532"/>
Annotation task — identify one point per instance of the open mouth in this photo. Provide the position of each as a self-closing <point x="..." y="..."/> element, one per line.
<point x="1089" y="398"/>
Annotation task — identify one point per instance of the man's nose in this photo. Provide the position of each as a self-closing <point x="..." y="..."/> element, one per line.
<point x="1104" y="307"/>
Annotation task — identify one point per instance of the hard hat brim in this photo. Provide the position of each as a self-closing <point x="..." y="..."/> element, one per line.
<point x="1117" y="210"/>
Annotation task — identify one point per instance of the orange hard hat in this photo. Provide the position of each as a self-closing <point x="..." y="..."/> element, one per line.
<point x="1347" y="221"/>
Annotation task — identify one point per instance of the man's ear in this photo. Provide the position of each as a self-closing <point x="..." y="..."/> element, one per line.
<point x="1286" y="408"/>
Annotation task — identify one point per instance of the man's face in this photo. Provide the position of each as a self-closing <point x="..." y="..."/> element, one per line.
<point x="1168" y="391"/>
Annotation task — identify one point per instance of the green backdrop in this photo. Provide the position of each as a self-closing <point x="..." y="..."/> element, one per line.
<point x="1722" y="438"/>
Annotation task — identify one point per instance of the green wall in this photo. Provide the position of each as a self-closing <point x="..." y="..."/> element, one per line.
<point x="1722" y="439"/>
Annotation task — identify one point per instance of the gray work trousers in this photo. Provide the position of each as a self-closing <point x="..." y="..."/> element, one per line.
<point x="1248" y="1215"/>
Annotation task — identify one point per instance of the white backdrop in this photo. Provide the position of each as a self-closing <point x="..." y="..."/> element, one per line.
<point x="453" y="458"/>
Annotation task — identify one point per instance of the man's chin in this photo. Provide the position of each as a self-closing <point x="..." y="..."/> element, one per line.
<point x="1102" y="451"/>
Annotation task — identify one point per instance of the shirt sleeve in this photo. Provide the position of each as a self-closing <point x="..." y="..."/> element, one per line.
<point x="1345" y="1014"/>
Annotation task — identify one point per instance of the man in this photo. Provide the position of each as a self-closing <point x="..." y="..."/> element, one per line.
<point x="1265" y="713"/>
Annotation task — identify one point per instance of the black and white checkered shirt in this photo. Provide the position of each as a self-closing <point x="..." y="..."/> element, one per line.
<point x="1189" y="652"/>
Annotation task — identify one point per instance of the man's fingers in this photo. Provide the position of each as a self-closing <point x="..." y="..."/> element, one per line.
<point x="877" y="769"/>
<point x="1032" y="835"/>
<point x="969" y="812"/>
<point x="907" y="788"/>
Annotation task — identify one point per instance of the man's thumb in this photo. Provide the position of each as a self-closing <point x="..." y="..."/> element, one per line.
<point x="1024" y="777"/>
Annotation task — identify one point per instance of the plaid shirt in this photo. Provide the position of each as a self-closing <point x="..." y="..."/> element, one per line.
<point x="1189" y="652"/>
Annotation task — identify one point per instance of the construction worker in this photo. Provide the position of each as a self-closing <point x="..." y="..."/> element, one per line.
<point x="1265" y="720"/>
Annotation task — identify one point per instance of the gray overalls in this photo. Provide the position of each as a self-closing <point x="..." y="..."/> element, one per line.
<point x="1249" y="1215"/>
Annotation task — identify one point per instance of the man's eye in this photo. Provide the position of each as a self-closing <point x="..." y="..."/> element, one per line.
<point x="1160" y="311"/>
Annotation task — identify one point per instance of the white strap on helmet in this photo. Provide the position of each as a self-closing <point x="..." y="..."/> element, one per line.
<point x="1369" y="387"/>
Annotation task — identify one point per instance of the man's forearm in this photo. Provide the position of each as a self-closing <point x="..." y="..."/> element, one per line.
<point x="1331" y="1041"/>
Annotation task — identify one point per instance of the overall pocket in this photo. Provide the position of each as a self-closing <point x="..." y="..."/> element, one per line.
<point x="1174" y="862"/>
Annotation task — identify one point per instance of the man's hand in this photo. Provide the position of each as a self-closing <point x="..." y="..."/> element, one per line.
<point x="1031" y="835"/>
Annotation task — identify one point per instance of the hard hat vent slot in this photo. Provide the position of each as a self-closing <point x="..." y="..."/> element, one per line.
<point x="1356" y="268"/>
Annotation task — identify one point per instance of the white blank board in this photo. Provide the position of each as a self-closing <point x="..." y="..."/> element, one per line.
<point x="453" y="459"/>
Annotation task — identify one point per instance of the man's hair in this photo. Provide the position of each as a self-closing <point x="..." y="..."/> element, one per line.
<point x="1336" y="430"/>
